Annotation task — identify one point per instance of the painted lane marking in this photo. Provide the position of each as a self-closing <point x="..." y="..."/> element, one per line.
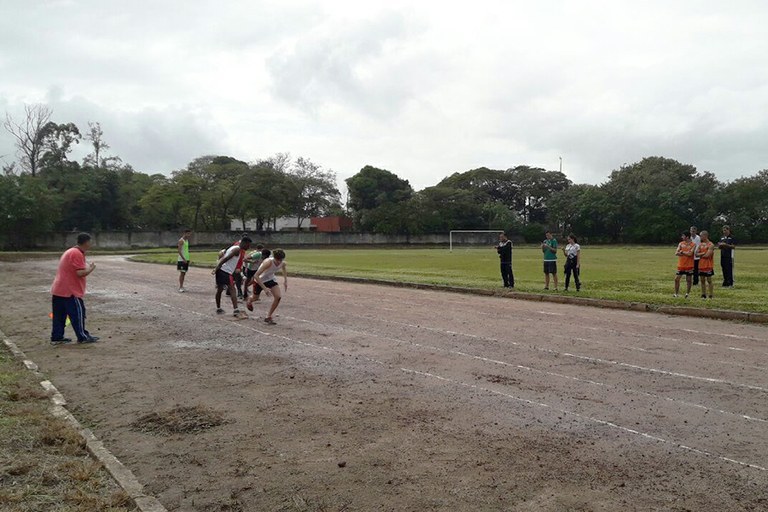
<point x="586" y="418"/>
<point x="474" y="386"/>
<point x="620" y="333"/>
<point x="565" y="354"/>
<point x="534" y="370"/>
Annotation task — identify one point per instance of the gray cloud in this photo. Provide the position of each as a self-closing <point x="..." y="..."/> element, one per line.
<point x="416" y="87"/>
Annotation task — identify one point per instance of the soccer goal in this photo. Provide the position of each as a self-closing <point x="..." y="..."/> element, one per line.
<point x="480" y="237"/>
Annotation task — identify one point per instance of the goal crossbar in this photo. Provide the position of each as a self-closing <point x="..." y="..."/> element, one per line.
<point x="450" y="234"/>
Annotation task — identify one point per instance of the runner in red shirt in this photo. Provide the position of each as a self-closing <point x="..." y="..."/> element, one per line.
<point x="68" y="290"/>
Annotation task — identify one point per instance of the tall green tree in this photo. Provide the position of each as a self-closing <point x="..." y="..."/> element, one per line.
<point x="311" y="190"/>
<point x="743" y="204"/>
<point x="374" y="197"/>
<point x="27" y="209"/>
<point x="441" y="209"/>
<point x="651" y="200"/>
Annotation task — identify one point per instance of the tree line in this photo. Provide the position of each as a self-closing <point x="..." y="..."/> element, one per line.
<point x="650" y="201"/>
<point x="645" y="202"/>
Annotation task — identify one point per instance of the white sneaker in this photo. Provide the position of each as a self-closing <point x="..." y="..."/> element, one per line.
<point x="182" y="290"/>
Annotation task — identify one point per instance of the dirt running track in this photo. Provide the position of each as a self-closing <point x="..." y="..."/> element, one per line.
<point x="434" y="401"/>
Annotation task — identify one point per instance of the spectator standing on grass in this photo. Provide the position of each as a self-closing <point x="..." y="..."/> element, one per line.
<point x="727" y="246"/>
<point x="696" y="239"/>
<point x="505" y="256"/>
<point x="225" y="268"/>
<point x="572" y="253"/>
<point x="706" y="253"/>
<point x="266" y="280"/>
<point x="182" y="261"/>
<point x="549" y="248"/>
<point x="68" y="290"/>
<point x="684" y="253"/>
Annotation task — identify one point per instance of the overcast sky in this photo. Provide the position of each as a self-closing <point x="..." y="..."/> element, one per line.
<point x="423" y="89"/>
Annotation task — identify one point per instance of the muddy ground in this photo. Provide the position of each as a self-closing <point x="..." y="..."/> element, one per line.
<point x="377" y="398"/>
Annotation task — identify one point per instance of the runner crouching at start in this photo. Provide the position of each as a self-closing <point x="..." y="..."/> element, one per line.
<point x="265" y="280"/>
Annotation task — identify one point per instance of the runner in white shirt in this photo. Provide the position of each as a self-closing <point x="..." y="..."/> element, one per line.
<point x="265" y="280"/>
<point x="225" y="267"/>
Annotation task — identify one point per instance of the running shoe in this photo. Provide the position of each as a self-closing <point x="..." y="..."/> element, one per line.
<point x="61" y="341"/>
<point x="89" y="339"/>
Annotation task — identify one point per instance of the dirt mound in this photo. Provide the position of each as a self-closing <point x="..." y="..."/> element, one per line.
<point x="179" y="420"/>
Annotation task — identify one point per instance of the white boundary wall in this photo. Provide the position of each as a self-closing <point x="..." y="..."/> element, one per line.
<point x="151" y="239"/>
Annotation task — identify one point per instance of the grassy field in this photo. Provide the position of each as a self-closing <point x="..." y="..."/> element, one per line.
<point x="43" y="461"/>
<point x="629" y="273"/>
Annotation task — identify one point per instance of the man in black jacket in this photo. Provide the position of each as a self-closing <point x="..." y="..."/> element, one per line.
<point x="727" y="248"/>
<point x="505" y="255"/>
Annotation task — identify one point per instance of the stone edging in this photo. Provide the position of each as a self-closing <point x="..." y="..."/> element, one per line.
<point x="122" y="475"/>
<point x="719" y="314"/>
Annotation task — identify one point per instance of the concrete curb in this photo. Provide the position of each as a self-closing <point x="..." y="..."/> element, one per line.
<point x="122" y="475"/>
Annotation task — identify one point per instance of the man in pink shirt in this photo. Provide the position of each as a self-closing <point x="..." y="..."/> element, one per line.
<point x="68" y="290"/>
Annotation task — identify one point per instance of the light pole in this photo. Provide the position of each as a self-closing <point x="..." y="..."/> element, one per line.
<point x="561" y="163"/>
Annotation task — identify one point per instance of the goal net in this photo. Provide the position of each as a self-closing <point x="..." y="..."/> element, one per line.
<point x="470" y="238"/>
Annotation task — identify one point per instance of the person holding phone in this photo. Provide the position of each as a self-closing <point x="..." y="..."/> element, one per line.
<point x="504" y="249"/>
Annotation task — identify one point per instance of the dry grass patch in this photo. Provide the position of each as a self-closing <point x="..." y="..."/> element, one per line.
<point x="179" y="420"/>
<point x="43" y="461"/>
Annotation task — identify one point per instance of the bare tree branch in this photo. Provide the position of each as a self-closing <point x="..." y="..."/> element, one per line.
<point x="29" y="134"/>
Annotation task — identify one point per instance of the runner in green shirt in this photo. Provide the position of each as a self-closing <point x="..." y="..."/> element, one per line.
<point x="182" y="262"/>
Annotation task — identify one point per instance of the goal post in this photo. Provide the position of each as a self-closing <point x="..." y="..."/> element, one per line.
<point x="451" y="233"/>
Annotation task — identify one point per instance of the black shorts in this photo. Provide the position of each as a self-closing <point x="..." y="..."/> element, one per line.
<point x="550" y="267"/>
<point x="269" y="284"/>
<point x="685" y="272"/>
<point x="707" y="273"/>
<point x="182" y="266"/>
<point x="249" y="273"/>
<point x="223" y="279"/>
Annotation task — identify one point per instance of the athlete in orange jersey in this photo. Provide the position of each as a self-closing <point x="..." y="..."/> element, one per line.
<point x="684" y="253"/>
<point x="706" y="254"/>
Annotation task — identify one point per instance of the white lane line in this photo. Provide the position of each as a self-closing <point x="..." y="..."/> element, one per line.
<point x="550" y="313"/>
<point x="502" y="309"/>
<point x="619" y="333"/>
<point x="564" y="354"/>
<point x="585" y="418"/>
<point x="662" y="372"/>
<point x="725" y="335"/>
<point x="742" y="365"/>
<point x="531" y="369"/>
<point x="474" y="386"/>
